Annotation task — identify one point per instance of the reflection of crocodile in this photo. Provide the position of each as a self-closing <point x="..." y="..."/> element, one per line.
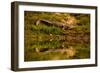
<point x="54" y="23"/>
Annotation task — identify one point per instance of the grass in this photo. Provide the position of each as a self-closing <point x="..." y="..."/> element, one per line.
<point x="46" y="29"/>
<point x="47" y="38"/>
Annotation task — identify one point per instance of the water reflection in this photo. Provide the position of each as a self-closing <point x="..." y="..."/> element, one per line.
<point x="57" y="49"/>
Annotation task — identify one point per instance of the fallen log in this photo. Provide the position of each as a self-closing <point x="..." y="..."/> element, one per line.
<point x="53" y="23"/>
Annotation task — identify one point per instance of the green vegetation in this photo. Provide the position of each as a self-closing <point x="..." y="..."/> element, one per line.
<point x="44" y="42"/>
<point x="46" y="29"/>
